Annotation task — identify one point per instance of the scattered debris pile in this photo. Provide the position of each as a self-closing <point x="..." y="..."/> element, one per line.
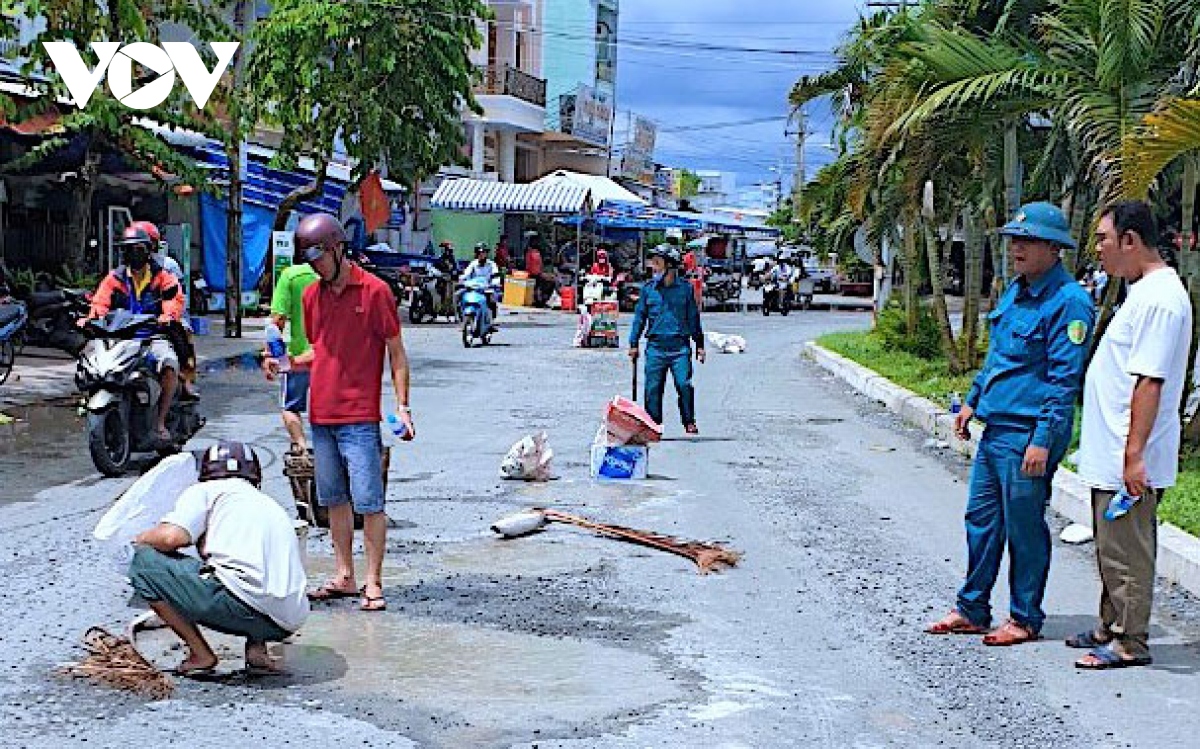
<point x="529" y="459"/>
<point x="114" y="661"/>
<point x="620" y="449"/>
<point x="727" y="344"/>
<point x="708" y="557"/>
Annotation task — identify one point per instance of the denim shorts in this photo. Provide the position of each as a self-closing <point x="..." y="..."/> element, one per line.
<point x="348" y="462"/>
<point x="293" y="391"/>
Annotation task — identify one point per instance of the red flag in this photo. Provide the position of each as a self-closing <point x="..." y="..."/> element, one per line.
<point x="375" y="208"/>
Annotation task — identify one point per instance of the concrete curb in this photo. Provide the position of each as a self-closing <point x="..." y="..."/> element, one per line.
<point x="1178" y="551"/>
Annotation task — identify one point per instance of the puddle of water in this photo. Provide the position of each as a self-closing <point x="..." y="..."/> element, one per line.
<point x="488" y="677"/>
<point x="540" y="554"/>
<point x="48" y="435"/>
<point x="247" y="362"/>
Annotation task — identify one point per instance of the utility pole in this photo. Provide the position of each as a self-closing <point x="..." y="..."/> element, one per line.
<point x="236" y="153"/>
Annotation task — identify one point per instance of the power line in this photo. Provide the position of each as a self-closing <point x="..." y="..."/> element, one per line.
<point x="718" y="125"/>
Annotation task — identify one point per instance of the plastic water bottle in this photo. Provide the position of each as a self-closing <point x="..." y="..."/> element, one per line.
<point x="955" y="403"/>
<point x="276" y="347"/>
<point x="1120" y="504"/>
<point x="396" y="429"/>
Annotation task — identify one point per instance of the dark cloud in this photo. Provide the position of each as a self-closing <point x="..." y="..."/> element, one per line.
<point x="673" y="70"/>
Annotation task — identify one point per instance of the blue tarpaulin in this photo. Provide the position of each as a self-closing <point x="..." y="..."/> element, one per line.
<point x="256" y="241"/>
<point x="633" y="216"/>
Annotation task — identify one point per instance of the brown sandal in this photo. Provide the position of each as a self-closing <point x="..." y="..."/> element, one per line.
<point x="1010" y="633"/>
<point x="954" y="623"/>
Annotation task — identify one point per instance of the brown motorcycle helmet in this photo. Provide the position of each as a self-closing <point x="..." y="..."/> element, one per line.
<point x="230" y="460"/>
<point x="316" y="233"/>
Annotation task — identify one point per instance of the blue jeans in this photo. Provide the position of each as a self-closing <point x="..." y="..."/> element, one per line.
<point x="676" y="358"/>
<point x="348" y="463"/>
<point x="1005" y="505"/>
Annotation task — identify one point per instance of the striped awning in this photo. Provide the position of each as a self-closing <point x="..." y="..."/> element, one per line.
<point x="479" y="196"/>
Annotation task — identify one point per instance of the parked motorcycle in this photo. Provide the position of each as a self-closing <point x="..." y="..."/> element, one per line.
<point x="432" y="298"/>
<point x="53" y="317"/>
<point x="629" y="290"/>
<point x="12" y="322"/>
<point x="117" y="374"/>
<point x="777" y="296"/>
<point x="476" y="315"/>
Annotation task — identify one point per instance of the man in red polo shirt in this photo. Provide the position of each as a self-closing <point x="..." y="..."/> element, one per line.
<point x="351" y="320"/>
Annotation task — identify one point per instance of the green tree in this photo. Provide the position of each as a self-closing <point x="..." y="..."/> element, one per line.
<point x="689" y="184"/>
<point x="106" y="124"/>
<point x="386" y="81"/>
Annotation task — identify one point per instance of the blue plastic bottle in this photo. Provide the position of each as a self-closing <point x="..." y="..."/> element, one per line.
<point x="1120" y="504"/>
<point x="276" y="346"/>
<point x="955" y="403"/>
<point x="396" y="428"/>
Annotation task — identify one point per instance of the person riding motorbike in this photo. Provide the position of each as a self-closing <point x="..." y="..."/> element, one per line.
<point x="781" y="276"/>
<point x="602" y="267"/>
<point x="142" y="286"/>
<point x="482" y="268"/>
<point x="159" y="253"/>
<point x="447" y="263"/>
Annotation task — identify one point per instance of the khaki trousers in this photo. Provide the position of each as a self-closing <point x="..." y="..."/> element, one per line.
<point x="1125" y="552"/>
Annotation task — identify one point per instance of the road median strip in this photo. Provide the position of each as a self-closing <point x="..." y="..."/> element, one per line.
<point x="1178" y="551"/>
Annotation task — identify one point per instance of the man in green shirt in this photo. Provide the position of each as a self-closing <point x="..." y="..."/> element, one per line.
<point x="287" y="306"/>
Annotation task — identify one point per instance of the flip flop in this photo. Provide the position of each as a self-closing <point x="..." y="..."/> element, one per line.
<point x="330" y="592"/>
<point x="369" y="602"/>
<point x="200" y="674"/>
<point x="1108" y="658"/>
<point x="1010" y="633"/>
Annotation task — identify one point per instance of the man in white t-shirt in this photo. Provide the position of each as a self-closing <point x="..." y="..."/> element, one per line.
<point x="1131" y="429"/>
<point x="249" y="580"/>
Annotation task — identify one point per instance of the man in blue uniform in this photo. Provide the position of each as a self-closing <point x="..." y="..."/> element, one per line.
<point x="667" y="314"/>
<point x="1025" y="393"/>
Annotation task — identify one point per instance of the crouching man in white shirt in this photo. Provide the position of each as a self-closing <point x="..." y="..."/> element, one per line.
<point x="248" y="581"/>
<point x="1131" y="426"/>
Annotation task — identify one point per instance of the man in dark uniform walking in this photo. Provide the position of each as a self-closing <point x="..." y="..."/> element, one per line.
<point x="668" y="316"/>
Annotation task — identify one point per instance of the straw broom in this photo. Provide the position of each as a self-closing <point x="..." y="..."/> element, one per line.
<point x="114" y="661"/>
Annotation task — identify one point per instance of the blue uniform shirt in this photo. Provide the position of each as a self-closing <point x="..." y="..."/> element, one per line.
<point x="668" y="315"/>
<point x="1036" y="359"/>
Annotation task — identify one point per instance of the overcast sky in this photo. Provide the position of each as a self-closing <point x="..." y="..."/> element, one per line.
<point x="688" y="85"/>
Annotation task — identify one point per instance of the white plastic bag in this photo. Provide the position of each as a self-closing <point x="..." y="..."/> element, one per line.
<point x="143" y="504"/>
<point x="528" y="460"/>
<point x="727" y="344"/>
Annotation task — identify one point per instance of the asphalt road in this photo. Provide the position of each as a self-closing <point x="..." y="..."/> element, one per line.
<point x="851" y="535"/>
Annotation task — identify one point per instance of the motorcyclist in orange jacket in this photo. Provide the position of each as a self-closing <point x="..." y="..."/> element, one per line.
<point x="142" y="286"/>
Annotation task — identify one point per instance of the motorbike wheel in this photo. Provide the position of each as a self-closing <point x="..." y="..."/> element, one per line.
<point x="416" y="310"/>
<point x="8" y="355"/>
<point x="108" y="442"/>
<point x="468" y="328"/>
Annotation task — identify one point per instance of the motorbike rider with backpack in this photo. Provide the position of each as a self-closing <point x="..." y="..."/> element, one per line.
<point x="142" y="286"/>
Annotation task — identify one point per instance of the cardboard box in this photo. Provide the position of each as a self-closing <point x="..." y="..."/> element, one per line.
<point x="518" y="292"/>
<point x="620" y="462"/>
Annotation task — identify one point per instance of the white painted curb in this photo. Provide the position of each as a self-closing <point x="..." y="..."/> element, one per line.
<point x="1178" y="551"/>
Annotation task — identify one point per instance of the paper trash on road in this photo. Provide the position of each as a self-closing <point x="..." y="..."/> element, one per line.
<point x="528" y="460"/>
<point x="727" y="344"/>
<point x="143" y="504"/>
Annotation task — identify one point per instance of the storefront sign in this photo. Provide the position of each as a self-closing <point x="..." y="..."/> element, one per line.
<point x="282" y="249"/>
<point x="638" y="160"/>
<point x="587" y="114"/>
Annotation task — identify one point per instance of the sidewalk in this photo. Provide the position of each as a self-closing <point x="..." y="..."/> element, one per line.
<point x="1178" y="551"/>
<point x="43" y="374"/>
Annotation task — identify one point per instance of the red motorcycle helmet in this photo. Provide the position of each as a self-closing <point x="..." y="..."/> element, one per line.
<point x="150" y="229"/>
